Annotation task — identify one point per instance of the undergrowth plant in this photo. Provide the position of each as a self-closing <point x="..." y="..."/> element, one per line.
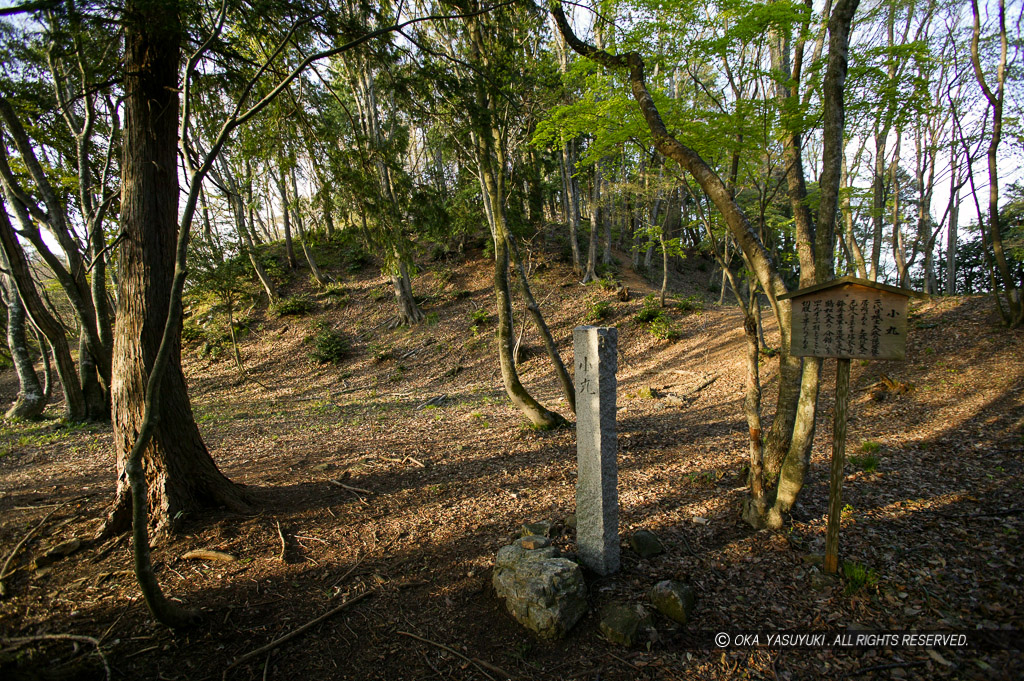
<point x="329" y="346"/>
<point x="292" y="306"/>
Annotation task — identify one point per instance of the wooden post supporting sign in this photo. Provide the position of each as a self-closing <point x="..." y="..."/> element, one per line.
<point x="847" y="318"/>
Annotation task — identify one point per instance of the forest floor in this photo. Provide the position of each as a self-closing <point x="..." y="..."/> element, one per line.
<point x="932" y="493"/>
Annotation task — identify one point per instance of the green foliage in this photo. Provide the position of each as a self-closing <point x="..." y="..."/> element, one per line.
<point x="650" y="310"/>
<point x="479" y="317"/>
<point x="659" y="324"/>
<point x="292" y="306"/>
<point x="690" y="304"/>
<point x="337" y="293"/>
<point x="664" y="328"/>
<point x="598" y="311"/>
<point x="329" y="346"/>
<point x="867" y="463"/>
<point x="869" y="447"/>
<point x="857" y="576"/>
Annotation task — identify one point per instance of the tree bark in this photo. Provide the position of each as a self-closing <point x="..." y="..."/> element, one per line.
<point x="409" y="311"/>
<point x="318" y="276"/>
<point x="285" y="213"/>
<point x="181" y="476"/>
<point x="31" y="399"/>
<point x="74" y="402"/>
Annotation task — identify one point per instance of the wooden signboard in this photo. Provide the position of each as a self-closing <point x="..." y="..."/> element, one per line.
<point x="847" y="318"/>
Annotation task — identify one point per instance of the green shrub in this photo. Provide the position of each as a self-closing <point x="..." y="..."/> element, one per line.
<point x="479" y="317"/>
<point x="650" y="311"/>
<point x="690" y="304"/>
<point x="294" y="305"/>
<point x="355" y="260"/>
<point x="598" y="311"/>
<point x="329" y="346"/>
<point x="664" y="328"/>
<point x="869" y="447"/>
<point x="867" y="463"/>
<point x="857" y="576"/>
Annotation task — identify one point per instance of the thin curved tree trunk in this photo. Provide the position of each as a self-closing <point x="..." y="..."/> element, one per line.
<point x="286" y="220"/>
<point x="590" y="274"/>
<point x="31" y="399"/>
<point x="318" y="276"/>
<point x="74" y="401"/>
<point x="568" y="389"/>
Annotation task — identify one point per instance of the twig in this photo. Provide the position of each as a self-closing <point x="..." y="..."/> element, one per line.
<point x="703" y="385"/>
<point x="347" y="573"/>
<point x="106" y="633"/>
<point x="480" y="664"/>
<point x="110" y="247"/>
<point x="295" y="632"/>
<point x="688" y="547"/>
<point x="17" y="547"/>
<point x="22" y="640"/>
<point x="113" y="544"/>
<point x="411" y="459"/>
<point x="284" y="546"/>
<point x="349" y="487"/>
<point x="625" y="662"/>
<point x="881" y="667"/>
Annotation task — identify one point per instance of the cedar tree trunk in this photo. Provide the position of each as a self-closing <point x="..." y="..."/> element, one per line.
<point x="181" y="476"/>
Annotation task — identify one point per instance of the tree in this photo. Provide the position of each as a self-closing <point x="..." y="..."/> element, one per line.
<point x="814" y="241"/>
<point x="1013" y="313"/>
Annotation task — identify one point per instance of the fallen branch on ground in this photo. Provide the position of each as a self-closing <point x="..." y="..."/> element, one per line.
<point x="481" y="664"/>
<point x="23" y="640"/>
<point x="207" y="554"/>
<point x="17" y="547"/>
<point x="296" y="632"/>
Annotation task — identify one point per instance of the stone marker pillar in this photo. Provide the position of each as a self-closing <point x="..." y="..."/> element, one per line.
<point x="597" y="496"/>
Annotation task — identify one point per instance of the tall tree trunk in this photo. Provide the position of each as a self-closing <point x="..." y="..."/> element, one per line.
<point x="609" y="213"/>
<point x="31" y="399"/>
<point x="1014" y="314"/>
<point x="45" y="352"/>
<point x="74" y="401"/>
<point x="954" y="219"/>
<point x="850" y="239"/>
<point x="318" y="276"/>
<point x="96" y="404"/>
<point x="590" y="274"/>
<point x="286" y="219"/>
<point x="572" y="191"/>
<point x="181" y="476"/>
<point x="409" y="311"/>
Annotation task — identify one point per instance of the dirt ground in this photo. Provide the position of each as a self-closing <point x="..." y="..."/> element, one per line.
<point x="428" y="494"/>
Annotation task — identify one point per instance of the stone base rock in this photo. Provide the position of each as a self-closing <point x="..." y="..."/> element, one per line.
<point x="674" y="600"/>
<point x="646" y="544"/>
<point x="544" y="593"/>
<point x="623" y="624"/>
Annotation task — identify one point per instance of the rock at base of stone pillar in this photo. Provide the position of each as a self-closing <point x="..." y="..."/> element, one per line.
<point x="544" y="593"/>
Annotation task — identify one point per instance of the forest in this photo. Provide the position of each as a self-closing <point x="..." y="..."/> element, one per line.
<point x="289" y="291"/>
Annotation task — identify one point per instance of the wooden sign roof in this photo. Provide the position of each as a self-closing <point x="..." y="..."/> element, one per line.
<point x="842" y="281"/>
